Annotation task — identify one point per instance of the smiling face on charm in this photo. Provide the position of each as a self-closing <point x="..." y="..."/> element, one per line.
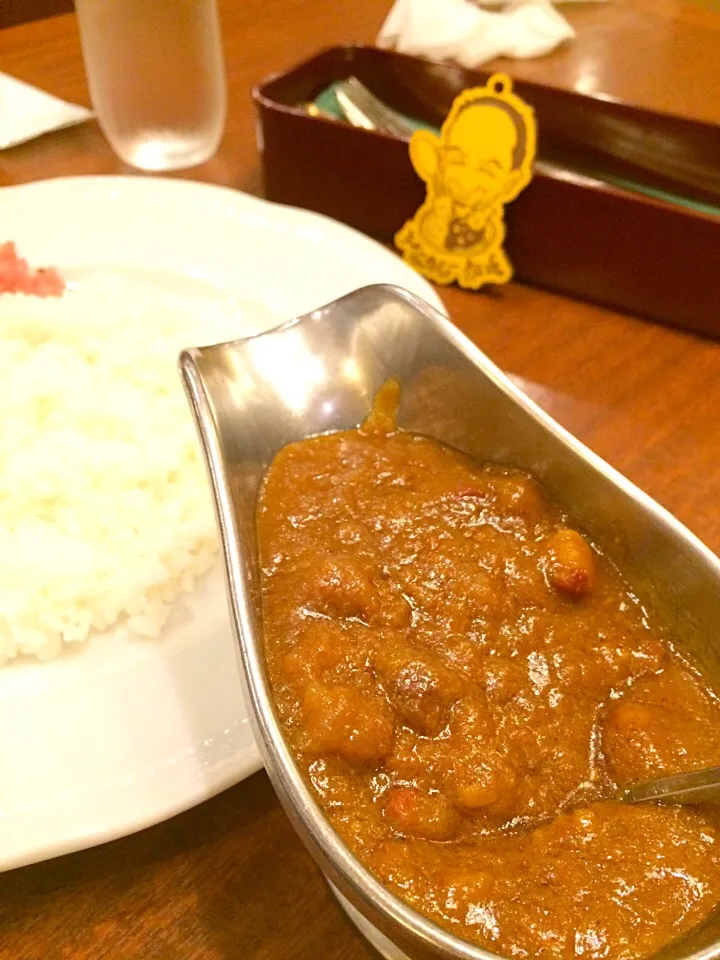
<point x="473" y="162"/>
<point x="476" y="157"/>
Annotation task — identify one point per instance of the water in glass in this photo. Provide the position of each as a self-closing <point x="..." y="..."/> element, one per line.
<point x="156" y="76"/>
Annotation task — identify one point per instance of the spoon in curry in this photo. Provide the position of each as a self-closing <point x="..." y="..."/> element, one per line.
<point x="698" y="786"/>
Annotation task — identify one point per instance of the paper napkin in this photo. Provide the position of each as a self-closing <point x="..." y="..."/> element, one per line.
<point x="26" y="112"/>
<point x="460" y="30"/>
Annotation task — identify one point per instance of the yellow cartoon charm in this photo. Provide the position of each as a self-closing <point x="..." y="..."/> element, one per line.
<point x="482" y="159"/>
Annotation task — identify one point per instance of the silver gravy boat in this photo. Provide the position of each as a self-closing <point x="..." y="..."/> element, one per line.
<point x="319" y="373"/>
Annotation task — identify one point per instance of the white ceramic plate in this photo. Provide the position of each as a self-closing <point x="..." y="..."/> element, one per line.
<point x="123" y="733"/>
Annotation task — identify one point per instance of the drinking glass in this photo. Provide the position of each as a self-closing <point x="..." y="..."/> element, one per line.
<point x="157" y="78"/>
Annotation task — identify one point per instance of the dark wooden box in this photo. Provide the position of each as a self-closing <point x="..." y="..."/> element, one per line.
<point x="568" y="231"/>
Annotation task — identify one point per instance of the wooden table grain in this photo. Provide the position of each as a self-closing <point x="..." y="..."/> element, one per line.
<point x="229" y="879"/>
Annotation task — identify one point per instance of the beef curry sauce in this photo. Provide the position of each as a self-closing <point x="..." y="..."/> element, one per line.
<point x="466" y="683"/>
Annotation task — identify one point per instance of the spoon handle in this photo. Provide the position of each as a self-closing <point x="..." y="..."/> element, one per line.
<point x="698" y="786"/>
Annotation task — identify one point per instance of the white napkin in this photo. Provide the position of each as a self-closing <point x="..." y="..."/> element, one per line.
<point x="26" y="112"/>
<point x="461" y="31"/>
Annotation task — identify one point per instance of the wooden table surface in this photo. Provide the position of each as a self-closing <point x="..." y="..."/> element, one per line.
<point x="229" y="879"/>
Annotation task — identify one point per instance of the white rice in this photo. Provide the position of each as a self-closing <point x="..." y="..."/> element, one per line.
<point x="105" y="509"/>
